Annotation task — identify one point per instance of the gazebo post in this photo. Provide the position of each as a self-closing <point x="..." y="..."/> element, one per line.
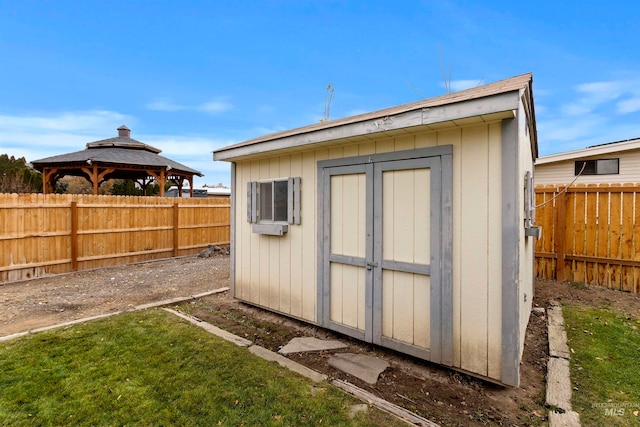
<point x="190" y="179"/>
<point x="144" y="183"/>
<point x="100" y="178"/>
<point x="162" y="180"/>
<point x="93" y="177"/>
<point x="47" y="185"/>
<point x="179" y="183"/>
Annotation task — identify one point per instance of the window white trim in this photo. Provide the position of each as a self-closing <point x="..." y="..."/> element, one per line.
<point x="609" y="166"/>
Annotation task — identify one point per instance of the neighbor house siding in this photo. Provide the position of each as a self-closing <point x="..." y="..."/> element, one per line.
<point x="563" y="172"/>
<point x="290" y="262"/>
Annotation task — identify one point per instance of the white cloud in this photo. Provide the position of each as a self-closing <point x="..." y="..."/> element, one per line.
<point x="541" y="109"/>
<point x="603" y="91"/>
<point x="577" y="109"/>
<point x="194" y="152"/>
<point x="540" y="93"/>
<point x="93" y="120"/>
<point x="599" y="113"/>
<point x="44" y="135"/>
<point x="566" y="129"/>
<point x="266" y="108"/>
<point x="164" y="104"/>
<point x="629" y="106"/>
<point x="215" y="107"/>
<point x="356" y="112"/>
<point x="594" y="95"/>
<point x="456" y="85"/>
<point x="174" y="145"/>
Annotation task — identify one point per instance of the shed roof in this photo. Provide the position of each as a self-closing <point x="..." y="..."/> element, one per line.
<point x="425" y="112"/>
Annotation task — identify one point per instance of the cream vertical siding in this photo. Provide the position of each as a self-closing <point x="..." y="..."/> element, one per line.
<point x="494" y="253"/>
<point x="348" y="237"/>
<point x="526" y="244"/>
<point x="474" y="180"/>
<point x="295" y="235"/>
<point x="406" y="236"/>
<point x="479" y="253"/>
<point x="280" y="273"/>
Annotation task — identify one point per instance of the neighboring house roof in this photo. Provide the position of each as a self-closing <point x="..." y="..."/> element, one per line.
<point x="594" y="150"/>
<point x="430" y="113"/>
<point x="560" y="168"/>
<point x="121" y="150"/>
<point x="211" y="191"/>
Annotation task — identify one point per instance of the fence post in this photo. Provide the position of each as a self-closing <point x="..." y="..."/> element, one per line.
<point x="176" y="223"/>
<point x="74" y="235"/>
<point x="559" y="231"/>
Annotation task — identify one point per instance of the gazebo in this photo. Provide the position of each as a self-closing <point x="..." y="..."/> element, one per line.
<point x="116" y="158"/>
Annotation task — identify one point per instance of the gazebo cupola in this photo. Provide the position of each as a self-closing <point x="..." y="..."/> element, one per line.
<point x="124" y="132"/>
<point x="116" y="158"/>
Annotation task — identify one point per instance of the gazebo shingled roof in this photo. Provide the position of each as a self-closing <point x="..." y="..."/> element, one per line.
<point x="115" y="158"/>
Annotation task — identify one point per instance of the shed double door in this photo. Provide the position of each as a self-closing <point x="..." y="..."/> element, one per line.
<point x="382" y="253"/>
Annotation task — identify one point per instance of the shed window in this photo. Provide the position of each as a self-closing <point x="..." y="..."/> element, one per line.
<point x="597" y="167"/>
<point x="274" y="201"/>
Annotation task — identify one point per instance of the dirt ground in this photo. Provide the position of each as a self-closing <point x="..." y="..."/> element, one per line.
<point x="441" y="395"/>
<point x="444" y="396"/>
<point x="45" y="301"/>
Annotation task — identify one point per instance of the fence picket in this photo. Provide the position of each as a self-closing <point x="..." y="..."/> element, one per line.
<point x="626" y="244"/>
<point x="579" y="246"/>
<point x="615" y="238"/>
<point x="591" y="233"/>
<point x="44" y="234"/>
<point x="602" y="237"/>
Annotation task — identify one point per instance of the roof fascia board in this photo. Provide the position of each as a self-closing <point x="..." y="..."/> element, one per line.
<point x="376" y="125"/>
<point x="471" y="108"/>
<point x="589" y="152"/>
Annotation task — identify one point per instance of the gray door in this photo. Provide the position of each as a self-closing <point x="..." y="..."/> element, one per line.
<point x="382" y="251"/>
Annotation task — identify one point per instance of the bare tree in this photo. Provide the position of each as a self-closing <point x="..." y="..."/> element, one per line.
<point x="14" y="183"/>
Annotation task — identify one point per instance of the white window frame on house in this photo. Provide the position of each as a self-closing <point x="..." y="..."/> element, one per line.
<point x="597" y="167"/>
<point x="270" y="211"/>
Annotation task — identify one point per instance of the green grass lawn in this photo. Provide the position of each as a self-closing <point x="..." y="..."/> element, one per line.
<point x="605" y="365"/>
<point x="150" y="368"/>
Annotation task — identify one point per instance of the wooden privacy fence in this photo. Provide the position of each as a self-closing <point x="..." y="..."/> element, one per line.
<point x="57" y="233"/>
<point x="590" y="234"/>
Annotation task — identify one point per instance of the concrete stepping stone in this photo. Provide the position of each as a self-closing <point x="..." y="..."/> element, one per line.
<point x="366" y="368"/>
<point x="310" y="344"/>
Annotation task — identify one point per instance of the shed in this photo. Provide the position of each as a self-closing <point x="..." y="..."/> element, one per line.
<point x="610" y="163"/>
<point x="409" y="227"/>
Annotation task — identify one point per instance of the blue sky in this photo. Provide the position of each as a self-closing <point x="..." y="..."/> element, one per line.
<point x="192" y="76"/>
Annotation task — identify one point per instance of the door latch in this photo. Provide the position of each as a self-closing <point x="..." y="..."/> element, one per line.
<point x="371" y="265"/>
